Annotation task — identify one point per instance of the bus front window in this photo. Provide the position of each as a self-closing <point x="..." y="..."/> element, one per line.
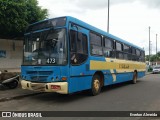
<point x="45" y="48"/>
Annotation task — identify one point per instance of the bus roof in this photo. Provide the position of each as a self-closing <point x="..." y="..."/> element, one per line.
<point x="92" y="28"/>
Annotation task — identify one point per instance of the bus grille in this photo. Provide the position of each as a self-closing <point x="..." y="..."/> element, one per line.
<point x="40" y="72"/>
<point x="39" y="76"/>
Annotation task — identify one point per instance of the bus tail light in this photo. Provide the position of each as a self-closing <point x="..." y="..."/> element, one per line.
<point x="55" y="87"/>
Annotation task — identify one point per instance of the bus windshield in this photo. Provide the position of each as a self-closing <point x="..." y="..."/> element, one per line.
<point x="45" y="48"/>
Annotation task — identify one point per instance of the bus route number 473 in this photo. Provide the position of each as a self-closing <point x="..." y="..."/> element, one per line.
<point x="51" y="60"/>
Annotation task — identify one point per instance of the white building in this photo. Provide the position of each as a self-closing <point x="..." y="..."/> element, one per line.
<point x="11" y="53"/>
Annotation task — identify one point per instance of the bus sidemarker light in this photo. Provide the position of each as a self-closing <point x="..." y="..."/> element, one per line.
<point x="55" y="87"/>
<point x="64" y="78"/>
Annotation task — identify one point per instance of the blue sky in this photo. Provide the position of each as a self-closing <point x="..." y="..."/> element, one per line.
<point x="129" y="19"/>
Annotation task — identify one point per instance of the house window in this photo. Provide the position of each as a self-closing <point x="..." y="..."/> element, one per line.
<point x="2" y="54"/>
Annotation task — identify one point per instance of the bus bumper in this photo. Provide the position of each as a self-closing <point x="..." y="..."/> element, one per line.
<point x="58" y="87"/>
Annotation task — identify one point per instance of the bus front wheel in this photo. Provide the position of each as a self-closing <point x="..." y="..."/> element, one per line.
<point x="96" y="85"/>
<point x="134" y="81"/>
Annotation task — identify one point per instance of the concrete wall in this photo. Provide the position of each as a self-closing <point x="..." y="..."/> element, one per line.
<point x="14" y="51"/>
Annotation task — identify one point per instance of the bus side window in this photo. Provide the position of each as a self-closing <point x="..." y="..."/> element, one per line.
<point x="126" y="52"/>
<point x="138" y="55"/>
<point x="125" y="55"/>
<point x="73" y="37"/>
<point x="82" y="43"/>
<point x="85" y="44"/>
<point x="126" y="49"/>
<point x="79" y="47"/>
<point x="108" y="48"/>
<point x="118" y="46"/>
<point x="96" y="44"/>
<point x="133" y="54"/>
<point x="119" y="55"/>
<point x="119" y="52"/>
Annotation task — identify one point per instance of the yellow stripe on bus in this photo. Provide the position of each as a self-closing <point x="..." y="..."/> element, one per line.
<point x="119" y="65"/>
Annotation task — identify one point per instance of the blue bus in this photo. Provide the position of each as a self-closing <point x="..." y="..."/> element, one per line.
<point x="66" y="55"/>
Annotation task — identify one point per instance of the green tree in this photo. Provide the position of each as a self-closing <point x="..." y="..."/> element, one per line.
<point x="153" y="57"/>
<point x="158" y="54"/>
<point x="15" y="15"/>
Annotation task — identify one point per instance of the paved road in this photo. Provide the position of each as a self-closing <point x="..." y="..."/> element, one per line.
<point x="143" y="96"/>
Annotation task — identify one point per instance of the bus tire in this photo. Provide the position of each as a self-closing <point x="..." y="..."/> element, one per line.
<point x="134" y="80"/>
<point x="96" y="85"/>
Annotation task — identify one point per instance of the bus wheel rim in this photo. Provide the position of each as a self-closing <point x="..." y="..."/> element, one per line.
<point x="96" y="85"/>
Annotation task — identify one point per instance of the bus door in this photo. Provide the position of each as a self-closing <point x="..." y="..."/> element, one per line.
<point x="79" y="65"/>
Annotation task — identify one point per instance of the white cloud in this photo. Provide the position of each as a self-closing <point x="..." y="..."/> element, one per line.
<point x="129" y="19"/>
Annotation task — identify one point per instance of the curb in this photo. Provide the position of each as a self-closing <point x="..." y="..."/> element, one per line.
<point x="19" y="97"/>
<point x="148" y="73"/>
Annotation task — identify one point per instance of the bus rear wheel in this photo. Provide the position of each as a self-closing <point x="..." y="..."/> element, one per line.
<point x="96" y="85"/>
<point x="134" y="81"/>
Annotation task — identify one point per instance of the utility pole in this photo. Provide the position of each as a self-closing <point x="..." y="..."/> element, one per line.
<point x="149" y="44"/>
<point x="156" y="49"/>
<point x="151" y="49"/>
<point x="108" y="17"/>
